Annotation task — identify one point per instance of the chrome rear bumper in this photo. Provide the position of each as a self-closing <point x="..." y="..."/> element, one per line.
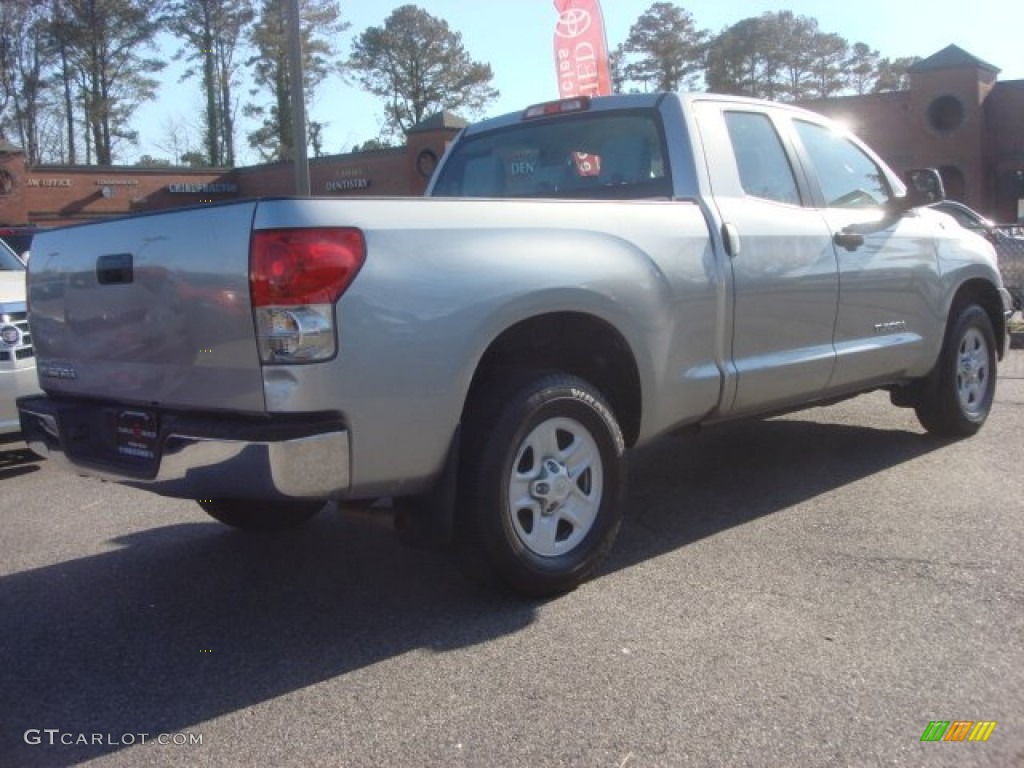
<point x="198" y="457"/>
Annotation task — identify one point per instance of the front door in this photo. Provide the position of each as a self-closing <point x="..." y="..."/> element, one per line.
<point x="888" y="273"/>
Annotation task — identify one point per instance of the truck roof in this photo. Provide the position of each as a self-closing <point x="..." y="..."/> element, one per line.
<point x="624" y="101"/>
<point x="595" y="104"/>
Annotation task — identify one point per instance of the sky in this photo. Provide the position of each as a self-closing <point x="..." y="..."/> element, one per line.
<point x="515" y="38"/>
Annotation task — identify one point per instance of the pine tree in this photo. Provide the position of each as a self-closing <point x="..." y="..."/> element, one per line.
<point x="419" y="66"/>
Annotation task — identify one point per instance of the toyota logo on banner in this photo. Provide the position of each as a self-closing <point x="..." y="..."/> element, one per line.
<point x="572" y="23"/>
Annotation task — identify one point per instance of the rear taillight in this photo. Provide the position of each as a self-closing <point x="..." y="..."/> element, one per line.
<point x="304" y="266"/>
<point x="295" y="277"/>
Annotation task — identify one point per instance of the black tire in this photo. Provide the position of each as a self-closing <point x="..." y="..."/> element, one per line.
<point x="552" y="443"/>
<point x="250" y="515"/>
<point x="958" y="394"/>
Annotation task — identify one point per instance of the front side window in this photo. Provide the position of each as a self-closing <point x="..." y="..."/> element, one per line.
<point x="9" y="262"/>
<point x="848" y="177"/>
<point x="760" y="158"/>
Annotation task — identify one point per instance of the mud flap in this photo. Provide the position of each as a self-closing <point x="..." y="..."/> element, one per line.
<point x="427" y="521"/>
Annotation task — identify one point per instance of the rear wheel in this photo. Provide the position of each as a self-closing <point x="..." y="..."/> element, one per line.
<point x="541" y="485"/>
<point x="250" y="515"/>
<point x="957" y="397"/>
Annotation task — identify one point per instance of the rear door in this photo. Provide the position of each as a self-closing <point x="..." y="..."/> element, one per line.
<point x="785" y="281"/>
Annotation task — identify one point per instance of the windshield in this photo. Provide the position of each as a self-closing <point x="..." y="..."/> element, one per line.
<point x="594" y="155"/>
<point x="8" y="261"/>
<point x="19" y="242"/>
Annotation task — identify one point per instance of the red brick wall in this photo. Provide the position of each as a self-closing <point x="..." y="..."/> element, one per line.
<point x="962" y="147"/>
<point x="1005" y="107"/>
<point x="56" y="195"/>
<point x="987" y="147"/>
<point x="880" y="120"/>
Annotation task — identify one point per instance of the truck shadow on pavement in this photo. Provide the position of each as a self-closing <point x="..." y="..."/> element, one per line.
<point x="17" y="460"/>
<point x="683" y="489"/>
<point x="184" y="623"/>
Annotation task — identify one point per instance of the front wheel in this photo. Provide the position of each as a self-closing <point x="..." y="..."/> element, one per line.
<point x="541" y="484"/>
<point x="958" y="395"/>
<point x="250" y="515"/>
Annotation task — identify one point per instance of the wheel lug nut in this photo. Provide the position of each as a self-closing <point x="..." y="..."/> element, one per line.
<point x="543" y="488"/>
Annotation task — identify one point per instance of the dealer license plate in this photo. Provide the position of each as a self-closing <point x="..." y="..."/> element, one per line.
<point x="137" y="434"/>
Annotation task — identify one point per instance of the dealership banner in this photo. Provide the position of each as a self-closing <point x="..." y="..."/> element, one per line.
<point x="581" y="52"/>
<point x="581" y="59"/>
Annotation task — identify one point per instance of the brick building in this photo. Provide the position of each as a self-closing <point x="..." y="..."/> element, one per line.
<point x="52" y="195"/>
<point x="956" y="117"/>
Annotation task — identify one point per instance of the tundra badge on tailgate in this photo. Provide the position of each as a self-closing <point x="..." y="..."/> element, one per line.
<point x="58" y="371"/>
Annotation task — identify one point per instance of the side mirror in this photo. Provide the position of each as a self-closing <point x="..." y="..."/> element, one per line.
<point x="924" y="187"/>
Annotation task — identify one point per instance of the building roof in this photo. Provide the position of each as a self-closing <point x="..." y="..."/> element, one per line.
<point x="439" y="121"/>
<point x="856" y="99"/>
<point x="6" y="148"/>
<point x="951" y="57"/>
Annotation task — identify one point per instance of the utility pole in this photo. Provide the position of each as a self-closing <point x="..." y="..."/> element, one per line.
<point x="298" y="100"/>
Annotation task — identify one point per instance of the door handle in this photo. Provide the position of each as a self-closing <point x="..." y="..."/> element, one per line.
<point x="731" y="239"/>
<point x="851" y="241"/>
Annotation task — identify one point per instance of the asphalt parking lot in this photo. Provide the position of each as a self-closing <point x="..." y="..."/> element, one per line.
<point x="804" y="591"/>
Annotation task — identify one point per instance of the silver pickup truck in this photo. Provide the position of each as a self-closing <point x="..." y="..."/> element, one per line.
<point x="583" y="276"/>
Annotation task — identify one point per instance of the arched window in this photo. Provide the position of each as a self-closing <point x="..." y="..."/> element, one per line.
<point x="946" y="114"/>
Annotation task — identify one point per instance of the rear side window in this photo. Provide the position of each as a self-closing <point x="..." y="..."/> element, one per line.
<point x="761" y="160"/>
<point x="848" y="177"/>
<point x="596" y="155"/>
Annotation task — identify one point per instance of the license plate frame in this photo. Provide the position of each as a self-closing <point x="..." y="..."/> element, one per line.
<point x="136" y="433"/>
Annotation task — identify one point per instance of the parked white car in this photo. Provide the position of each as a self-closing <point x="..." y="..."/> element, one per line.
<point x="17" y="357"/>
<point x="1007" y="239"/>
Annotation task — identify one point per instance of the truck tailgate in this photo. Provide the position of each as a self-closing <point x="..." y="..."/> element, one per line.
<point x="150" y="310"/>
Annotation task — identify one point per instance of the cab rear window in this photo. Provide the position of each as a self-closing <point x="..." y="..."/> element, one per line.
<point x="595" y="155"/>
